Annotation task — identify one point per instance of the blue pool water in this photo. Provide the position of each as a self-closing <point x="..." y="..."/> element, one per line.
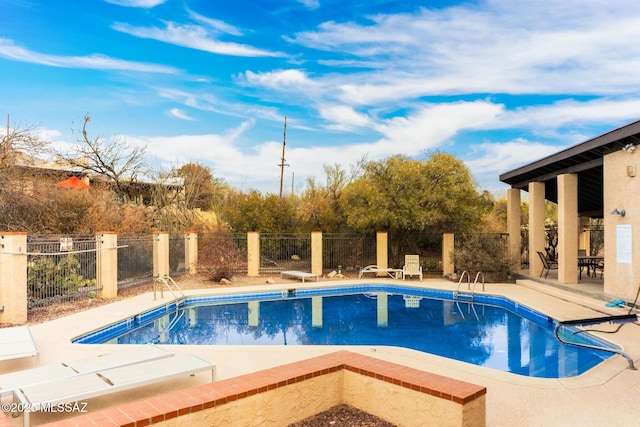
<point x="491" y="331"/>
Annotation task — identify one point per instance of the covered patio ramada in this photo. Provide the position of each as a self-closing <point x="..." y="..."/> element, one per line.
<point x="593" y="179"/>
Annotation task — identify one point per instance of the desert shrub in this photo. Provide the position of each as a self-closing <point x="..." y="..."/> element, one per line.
<point x="48" y="277"/>
<point x="220" y="257"/>
<point x="486" y="253"/>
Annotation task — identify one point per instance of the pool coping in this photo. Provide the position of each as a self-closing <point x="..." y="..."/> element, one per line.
<point x="106" y="333"/>
<point x="54" y="337"/>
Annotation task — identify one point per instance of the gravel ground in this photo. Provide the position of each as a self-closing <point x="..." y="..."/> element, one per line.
<point x="343" y="416"/>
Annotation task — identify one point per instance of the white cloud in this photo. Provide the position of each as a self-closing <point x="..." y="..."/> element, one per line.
<point x="179" y="114"/>
<point x="193" y="37"/>
<point x="99" y="62"/>
<point x="431" y="125"/>
<point x="145" y="4"/>
<point x="572" y="48"/>
<point x="311" y="4"/>
<point x="216" y="24"/>
<point x="344" y="118"/>
<point x="570" y="112"/>
<point x="280" y="79"/>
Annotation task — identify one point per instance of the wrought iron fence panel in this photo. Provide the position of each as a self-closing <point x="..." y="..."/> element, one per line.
<point x="427" y="245"/>
<point x="135" y="259"/>
<point x="176" y="254"/>
<point x="347" y="252"/>
<point x="496" y="243"/>
<point x="222" y="254"/>
<point x="60" y="267"/>
<point x="283" y="251"/>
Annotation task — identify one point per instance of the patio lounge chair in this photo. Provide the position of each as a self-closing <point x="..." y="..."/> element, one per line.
<point x="546" y="265"/>
<point x="17" y="342"/>
<point x="412" y="266"/>
<point x="127" y="356"/>
<point x="394" y="273"/>
<point x="298" y="275"/>
<point x="85" y="386"/>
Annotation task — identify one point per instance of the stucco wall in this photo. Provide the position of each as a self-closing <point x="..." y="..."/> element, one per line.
<point x="296" y="402"/>
<point x="621" y="191"/>
<point x="278" y="407"/>
<point x="405" y="407"/>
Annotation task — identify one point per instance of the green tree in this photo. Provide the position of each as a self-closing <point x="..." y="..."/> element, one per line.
<point x="407" y="197"/>
<point x="201" y="189"/>
<point x="254" y="211"/>
<point x="320" y="208"/>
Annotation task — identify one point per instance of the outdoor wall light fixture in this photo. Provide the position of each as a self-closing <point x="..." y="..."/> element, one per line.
<point x="618" y="212"/>
<point x="629" y="147"/>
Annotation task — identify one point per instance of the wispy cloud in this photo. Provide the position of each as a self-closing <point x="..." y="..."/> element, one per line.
<point x="215" y="24"/>
<point x="193" y="37"/>
<point x="179" y="114"/>
<point x="280" y="79"/>
<point x="145" y="4"/>
<point x="486" y="49"/>
<point x="99" y="62"/>
<point x="311" y="4"/>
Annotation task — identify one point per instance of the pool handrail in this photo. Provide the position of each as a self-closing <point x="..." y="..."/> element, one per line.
<point x="623" y="318"/>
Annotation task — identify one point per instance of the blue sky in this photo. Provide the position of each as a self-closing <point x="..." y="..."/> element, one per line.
<point x="497" y="83"/>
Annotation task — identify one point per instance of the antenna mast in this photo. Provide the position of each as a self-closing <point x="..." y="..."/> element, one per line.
<point x="282" y="160"/>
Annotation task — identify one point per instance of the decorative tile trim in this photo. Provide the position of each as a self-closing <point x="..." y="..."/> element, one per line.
<point x="198" y="398"/>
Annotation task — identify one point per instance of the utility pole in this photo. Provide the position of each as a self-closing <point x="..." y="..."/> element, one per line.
<point x="282" y="160"/>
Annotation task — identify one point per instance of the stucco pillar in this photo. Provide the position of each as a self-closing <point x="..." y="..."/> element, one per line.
<point x="568" y="228"/>
<point x="513" y="227"/>
<point x="448" y="246"/>
<point x="191" y="252"/>
<point x="160" y="254"/>
<point x="621" y="233"/>
<point x="316" y="253"/>
<point x="107" y="264"/>
<point x="536" y="226"/>
<point x="13" y="278"/>
<point x="382" y="251"/>
<point x="253" y="254"/>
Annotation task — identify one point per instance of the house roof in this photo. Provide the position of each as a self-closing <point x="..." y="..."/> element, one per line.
<point x="585" y="159"/>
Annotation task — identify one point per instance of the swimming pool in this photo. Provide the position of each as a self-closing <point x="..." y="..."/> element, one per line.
<point x="490" y="331"/>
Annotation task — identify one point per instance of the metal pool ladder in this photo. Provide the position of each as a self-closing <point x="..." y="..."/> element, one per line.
<point x="479" y="275"/>
<point x="172" y="286"/>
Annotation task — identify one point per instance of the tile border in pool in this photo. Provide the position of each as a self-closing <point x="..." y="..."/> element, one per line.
<point x="111" y="331"/>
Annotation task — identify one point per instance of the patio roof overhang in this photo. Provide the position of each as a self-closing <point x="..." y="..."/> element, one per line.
<point x="585" y="160"/>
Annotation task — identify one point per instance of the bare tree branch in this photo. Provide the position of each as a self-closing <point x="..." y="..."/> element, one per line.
<point x="18" y="141"/>
<point x="115" y="160"/>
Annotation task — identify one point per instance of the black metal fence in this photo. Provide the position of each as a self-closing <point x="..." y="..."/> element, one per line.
<point x="222" y="254"/>
<point x="60" y="268"/>
<point x="347" y="252"/>
<point x="284" y="251"/>
<point x="483" y="252"/>
<point x="63" y="267"/>
<point x="176" y="254"/>
<point x="135" y="259"/>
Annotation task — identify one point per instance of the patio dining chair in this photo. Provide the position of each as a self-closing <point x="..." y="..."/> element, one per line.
<point x="546" y="265"/>
<point x="599" y="267"/>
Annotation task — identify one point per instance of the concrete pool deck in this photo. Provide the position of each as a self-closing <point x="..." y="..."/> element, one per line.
<point x="608" y="394"/>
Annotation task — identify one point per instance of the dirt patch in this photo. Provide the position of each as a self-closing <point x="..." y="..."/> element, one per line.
<point x="343" y="416"/>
